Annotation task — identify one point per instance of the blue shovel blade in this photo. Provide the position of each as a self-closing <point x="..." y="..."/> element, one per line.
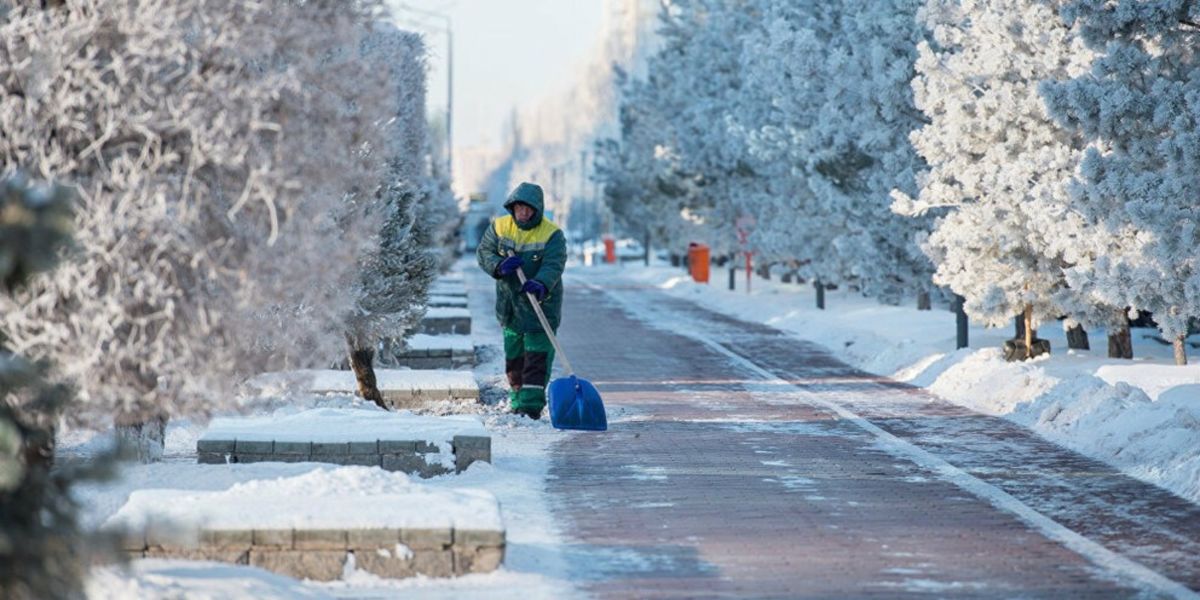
<point x="575" y="404"/>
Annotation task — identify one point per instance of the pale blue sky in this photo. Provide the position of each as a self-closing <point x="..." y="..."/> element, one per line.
<point x="506" y="53"/>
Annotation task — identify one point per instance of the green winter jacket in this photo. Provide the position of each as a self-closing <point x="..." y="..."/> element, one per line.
<point x="543" y="246"/>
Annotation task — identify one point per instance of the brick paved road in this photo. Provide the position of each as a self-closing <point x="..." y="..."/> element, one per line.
<point x="717" y="482"/>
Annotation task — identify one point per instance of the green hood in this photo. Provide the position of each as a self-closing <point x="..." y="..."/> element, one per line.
<point x="531" y="194"/>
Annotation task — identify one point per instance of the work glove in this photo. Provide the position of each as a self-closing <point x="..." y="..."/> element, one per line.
<point x="536" y="288"/>
<point x="509" y="265"/>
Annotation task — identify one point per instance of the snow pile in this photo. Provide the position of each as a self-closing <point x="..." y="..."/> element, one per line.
<point x="194" y="580"/>
<point x="342" y="425"/>
<point x="424" y="341"/>
<point x="345" y="498"/>
<point x="447" y="312"/>
<point x="1141" y="416"/>
<point x="331" y="380"/>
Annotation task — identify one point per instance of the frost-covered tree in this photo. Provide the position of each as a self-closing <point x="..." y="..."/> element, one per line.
<point x="43" y="552"/>
<point x="394" y="277"/>
<point x="642" y="184"/>
<point x="996" y="159"/>
<point x="1139" y="105"/>
<point x="218" y="150"/>
<point x="831" y="84"/>
<point x="692" y="177"/>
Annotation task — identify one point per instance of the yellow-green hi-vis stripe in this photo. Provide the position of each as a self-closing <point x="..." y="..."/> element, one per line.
<point x="523" y="240"/>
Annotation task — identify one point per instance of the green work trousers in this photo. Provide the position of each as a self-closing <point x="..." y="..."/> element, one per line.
<point x="527" y="361"/>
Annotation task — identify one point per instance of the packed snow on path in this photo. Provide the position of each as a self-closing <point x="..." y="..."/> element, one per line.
<point x="1141" y="416"/>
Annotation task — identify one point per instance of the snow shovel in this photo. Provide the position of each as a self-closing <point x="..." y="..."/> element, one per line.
<point x="574" y="403"/>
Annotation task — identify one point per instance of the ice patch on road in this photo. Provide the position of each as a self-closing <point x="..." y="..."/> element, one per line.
<point x="642" y="473"/>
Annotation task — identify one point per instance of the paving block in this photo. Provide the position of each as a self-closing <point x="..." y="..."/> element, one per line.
<point x="473" y="442"/>
<point x="319" y="539"/>
<point x="477" y="560"/>
<point x="316" y="565"/>
<point x="250" y="447"/>
<point x="469" y="449"/>
<point x="212" y="458"/>
<point x="233" y="557"/>
<point x="423" y="362"/>
<point x="424" y="447"/>
<point x="272" y="538"/>
<point x="397" y="446"/>
<point x="170" y="536"/>
<point x="384" y="563"/>
<point x="445" y="325"/>
<point x="360" y="460"/>
<point x="226" y="539"/>
<point x="469" y="538"/>
<point x="293" y="448"/>
<point x="398" y="397"/>
<point x="285" y="458"/>
<point x="433" y="563"/>
<point x="403" y="463"/>
<point x="360" y="539"/>
<point x="427" y="539"/>
<point x="364" y="447"/>
<point x="218" y="446"/>
<point x="330" y="449"/>
<point x="464" y="393"/>
<point x="432" y="470"/>
<point x="254" y="458"/>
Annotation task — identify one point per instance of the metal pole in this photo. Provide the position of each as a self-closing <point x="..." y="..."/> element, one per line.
<point x="960" y="321"/>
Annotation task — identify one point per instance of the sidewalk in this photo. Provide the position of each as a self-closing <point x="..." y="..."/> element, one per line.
<point x="749" y="463"/>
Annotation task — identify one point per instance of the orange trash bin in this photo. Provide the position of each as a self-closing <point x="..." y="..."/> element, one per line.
<point x="610" y="250"/>
<point x="698" y="262"/>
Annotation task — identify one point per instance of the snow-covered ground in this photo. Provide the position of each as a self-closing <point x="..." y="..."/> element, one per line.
<point x="534" y="565"/>
<point x="1142" y="416"/>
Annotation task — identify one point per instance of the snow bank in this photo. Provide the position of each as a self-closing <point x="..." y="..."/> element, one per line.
<point x="331" y="380"/>
<point x="342" y="425"/>
<point x="1141" y="416"/>
<point x="345" y="498"/>
<point x="423" y="341"/>
<point x="447" y="312"/>
<point x="154" y="579"/>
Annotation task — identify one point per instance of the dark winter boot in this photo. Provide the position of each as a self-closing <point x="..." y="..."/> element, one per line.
<point x="532" y="413"/>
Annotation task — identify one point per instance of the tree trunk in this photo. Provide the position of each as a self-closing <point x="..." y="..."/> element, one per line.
<point x="1077" y="338"/>
<point x="1019" y="322"/>
<point x="145" y="436"/>
<point x="646" y="248"/>
<point x="364" y="374"/>
<point x="1120" y="342"/>
<point x="1030" y="332"/>
<point x="923" y="301"/>
<point x="765" y="271"/>
<point x="820" y="293"/>
<point x="1180" y="351"/>
<point x="732" y="279"/>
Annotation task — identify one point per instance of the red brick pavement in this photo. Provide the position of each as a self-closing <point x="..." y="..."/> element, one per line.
<point x="711" y="487"/>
